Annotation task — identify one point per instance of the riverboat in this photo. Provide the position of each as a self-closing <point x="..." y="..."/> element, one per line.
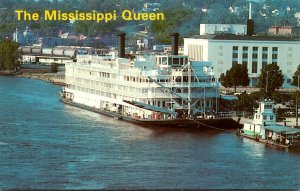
<point x="146" y="89"/>
<point x="264" y="128"/>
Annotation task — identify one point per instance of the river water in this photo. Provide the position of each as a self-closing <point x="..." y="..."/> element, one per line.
<point x="46" y="144"/>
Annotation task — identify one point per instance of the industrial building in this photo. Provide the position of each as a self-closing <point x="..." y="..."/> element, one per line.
<point x="58" y="55"/>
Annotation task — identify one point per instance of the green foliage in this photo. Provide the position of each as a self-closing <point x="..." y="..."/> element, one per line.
<point x="8" y="55"/>
<point x="181" y="15"/>
<point x="271" y="78"/>
<point x="236" y="76"/>
<point x="295" y="77"/>
<point x="245" y="102"/>
<point x="54" y="68"/>
<point x="173" y="19"/>
<point x="280" y="97"/>
<point x="259" y="95"/>
<point x="295" y="97"/>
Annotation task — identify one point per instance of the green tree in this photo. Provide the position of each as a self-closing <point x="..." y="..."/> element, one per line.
<point x="295" y="77"/>
<point x="236" y="76"/>
<point x="54" y="68"/>
<point x="8" y="55"/>
<point x="270" y="79"/>
<point x="245" y="103"/>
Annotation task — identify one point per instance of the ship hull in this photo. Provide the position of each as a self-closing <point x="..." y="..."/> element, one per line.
<point x="218" y="124"/>
<point x="269" y="142"/>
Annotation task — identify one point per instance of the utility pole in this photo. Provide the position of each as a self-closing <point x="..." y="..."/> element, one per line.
<point x="267" y="83"/>
<point x="297" y="102"/>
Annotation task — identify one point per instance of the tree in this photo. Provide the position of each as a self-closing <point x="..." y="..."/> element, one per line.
<point x="54" y="68"/>
<point x="8" y="55"/>
<point x="236" y="76"/>
<point x="295" y="77"/>
<point x="270" y="79"/>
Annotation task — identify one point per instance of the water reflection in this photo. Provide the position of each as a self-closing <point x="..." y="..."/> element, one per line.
<point x="253" y="148"/>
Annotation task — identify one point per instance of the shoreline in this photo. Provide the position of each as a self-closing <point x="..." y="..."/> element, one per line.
<point x="54" y="78"/>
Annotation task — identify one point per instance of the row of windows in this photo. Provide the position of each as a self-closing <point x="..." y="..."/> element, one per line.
<point x="135" y="79"/>
<point x="94" y="73"/>
<point x="171" y="61"/>
<point x="99" y="85"/>
<point x="254" y="56"/>
<point x="265" y="117"/>
<point x="106" y="93"/>
<point x="245" y="48"/>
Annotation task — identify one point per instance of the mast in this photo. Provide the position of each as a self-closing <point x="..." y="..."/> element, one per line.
<point x="189" y="89"/>
<point x="216" y="96"/>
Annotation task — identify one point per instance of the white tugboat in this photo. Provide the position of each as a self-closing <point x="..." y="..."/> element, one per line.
<point x="264" y="128"/>
<point x="156" y="90"/>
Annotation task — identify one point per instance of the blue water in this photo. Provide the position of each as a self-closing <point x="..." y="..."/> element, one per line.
<point x="46" y="144"/>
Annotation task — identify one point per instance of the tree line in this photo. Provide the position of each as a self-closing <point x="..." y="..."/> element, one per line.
<point x="269" y="81"/>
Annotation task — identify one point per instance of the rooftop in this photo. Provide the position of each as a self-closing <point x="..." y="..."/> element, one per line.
<point x="284" y="27"/>
<point x="244" y="37"/>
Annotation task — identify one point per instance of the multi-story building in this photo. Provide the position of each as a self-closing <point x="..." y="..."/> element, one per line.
<point x="284" y="30"/>
<point x="254" y="51"/>
<point x="297" y="15"/>
<point x="206" y="29"/>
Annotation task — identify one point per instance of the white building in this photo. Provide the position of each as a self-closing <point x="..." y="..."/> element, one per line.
<point x="254" y="51"/>
<point x="297" y="15"/>
<point x="222" y="29"/>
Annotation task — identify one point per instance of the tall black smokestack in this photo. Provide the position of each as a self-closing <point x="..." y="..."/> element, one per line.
<point x="175" y="43"/>
<point x="250" y="23"/>
<point x="122" y="45"/>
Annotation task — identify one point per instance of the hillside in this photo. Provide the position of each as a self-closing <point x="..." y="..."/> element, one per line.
<point x="183" y="16"/>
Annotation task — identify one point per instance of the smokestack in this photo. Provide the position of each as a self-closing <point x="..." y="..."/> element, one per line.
<point x="250" y="11"/>
<point x="122" y="45"/>
<point x="175" y="43"/>
<point x="250" y="22"/>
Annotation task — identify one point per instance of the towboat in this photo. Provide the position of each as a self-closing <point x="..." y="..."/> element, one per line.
<point x="263" y="128"/>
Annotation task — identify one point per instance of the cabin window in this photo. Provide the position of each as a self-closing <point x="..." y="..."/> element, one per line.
<point x="170" y="61"/>
<point x="181" y="61"/>
<point x="164" y="61"/>
<point x="176" y="61"/>
<point x="268" y="107"/>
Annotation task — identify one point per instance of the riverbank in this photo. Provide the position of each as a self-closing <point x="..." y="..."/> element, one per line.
<point x="39" y="74"/>
<point x="54" y="78"/>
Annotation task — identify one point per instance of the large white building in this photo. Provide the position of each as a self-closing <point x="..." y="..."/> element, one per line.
<point x="206" y="29"/>
<point x="254" y="51"/>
